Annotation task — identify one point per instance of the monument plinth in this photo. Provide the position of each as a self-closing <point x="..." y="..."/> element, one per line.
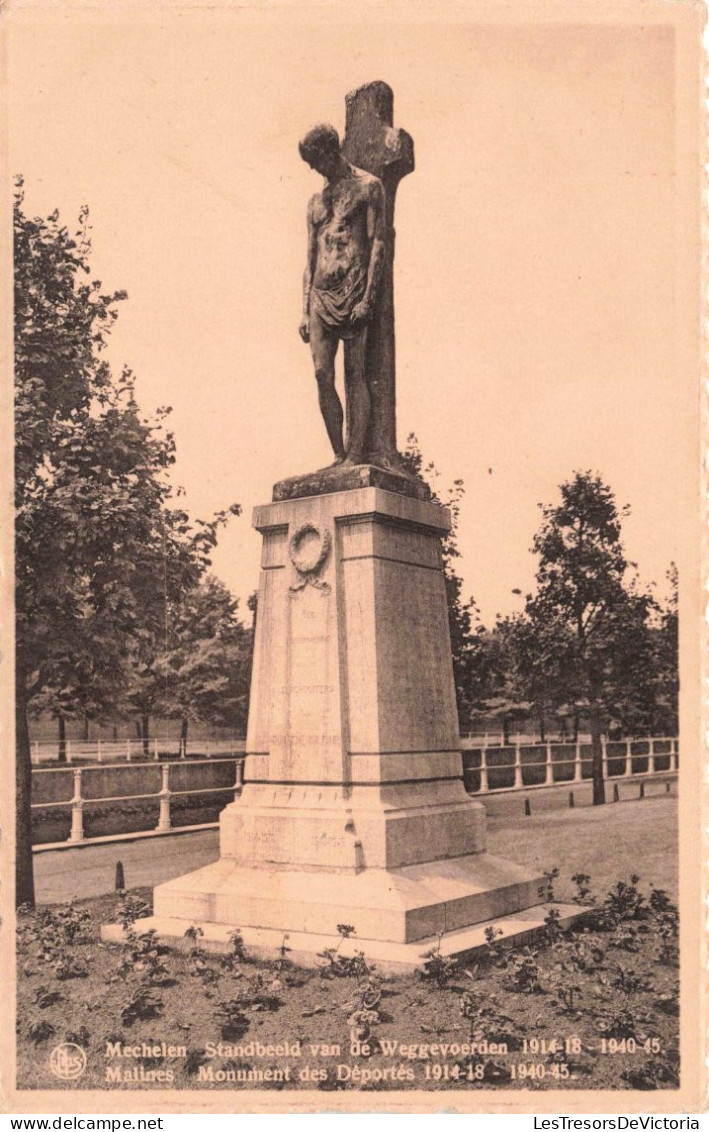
<point x="354" y="809"/>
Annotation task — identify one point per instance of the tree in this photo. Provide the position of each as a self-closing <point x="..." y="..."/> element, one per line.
<point x="206" y="667"/>
<point x="466" y="632"/>
<point x="587" y="637"/>
<point x="97" y="543"/>
<point x="665" y="669"/>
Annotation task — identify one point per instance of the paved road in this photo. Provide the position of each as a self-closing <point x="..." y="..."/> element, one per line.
<point x="90" y="870"/>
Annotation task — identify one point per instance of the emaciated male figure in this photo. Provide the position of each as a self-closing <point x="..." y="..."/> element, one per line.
<point x="345" y="258"/>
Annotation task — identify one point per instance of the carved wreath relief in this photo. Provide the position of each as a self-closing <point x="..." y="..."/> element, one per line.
<point x="308" y="550"/>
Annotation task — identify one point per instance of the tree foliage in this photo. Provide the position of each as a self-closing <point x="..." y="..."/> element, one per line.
<point x="586" y="637"/>
<point x="99" y="541"/>
<point x="472" y="668"/>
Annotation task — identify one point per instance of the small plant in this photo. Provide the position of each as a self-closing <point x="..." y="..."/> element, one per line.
<point x="337" y="965"/>
<point x="652" y="1075"/>
<point x="550" y="876"/>
<point x="283" y="951"/>
<point x="486" y="1021"/>
<point x="67" y="968"/>
<point x="195" y="1058"/>
<point x="52" y="934"/>
<point x="130" y="908"/>
<point x="80" y="1037"/>
<point x="563" y="979"/>
<point x="236" y="955"/>
<point x="232" y="1018"/>
<point x="366" y="1013"/>
<point x="44" y="997"/>
<point x="666" y="915"/>
<point x="438" y="968"/>
<point x="525" y="971"/>
<point x="583" y="888"/>
<point x="569" y="994"/>
<point x="39" y="1031"/>
<point x="494" y="952"/>
<point x="629" y="981"/>
<point x="265" y="991"/>
<point x="626" y="902"/>
<point x="142" y="1005"/>
<point x="621" y="1024"/>
<point x="553" y="931"/>
<point x="143" y="956"/>
<point x="627" y="939"/>
<point x="579" y="954"/>
<point x="198" y="960"/>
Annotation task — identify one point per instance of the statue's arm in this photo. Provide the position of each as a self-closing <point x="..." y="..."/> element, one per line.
<point x="308" y="275"/>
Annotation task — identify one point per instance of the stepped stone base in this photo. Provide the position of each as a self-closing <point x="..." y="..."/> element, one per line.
<point x="389" y="957"/>
<point x="396" y="905"/>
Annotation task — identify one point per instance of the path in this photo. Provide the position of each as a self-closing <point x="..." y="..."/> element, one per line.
<point x="606" y="842"/>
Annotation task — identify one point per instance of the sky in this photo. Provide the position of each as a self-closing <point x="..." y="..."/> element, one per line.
<point x="537" y="261"/>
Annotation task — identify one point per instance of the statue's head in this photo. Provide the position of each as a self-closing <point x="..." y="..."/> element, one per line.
<point x="320" y="148"/>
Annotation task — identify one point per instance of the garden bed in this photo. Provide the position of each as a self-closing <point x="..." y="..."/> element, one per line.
<point x="592" y="1008"/>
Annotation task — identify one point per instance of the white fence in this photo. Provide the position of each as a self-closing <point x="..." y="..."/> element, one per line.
<point x="576" y="769"/>
<point x="510" y="762"/>
<point x="131" y="750"/>
<point x="78" y="801"/>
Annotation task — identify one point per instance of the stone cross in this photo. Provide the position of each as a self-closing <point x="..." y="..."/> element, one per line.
<point x="373" y="143"/>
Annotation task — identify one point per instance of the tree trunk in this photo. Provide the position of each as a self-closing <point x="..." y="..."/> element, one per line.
<point x="61" y="752"/>
<point x="599" y="786"/>
<point x="183" y="738"/>
<point x="542" y="730"/>
<point x="145" y="733"/>
<point x="138" y="732"/>
<point x="576" y="726"/>
<point x="24" y="876"/>
<point x="505" y="730"/>
<point x="87" y="726"/>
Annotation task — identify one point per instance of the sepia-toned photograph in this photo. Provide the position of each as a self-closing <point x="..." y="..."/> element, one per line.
<point x="357" y="525"/>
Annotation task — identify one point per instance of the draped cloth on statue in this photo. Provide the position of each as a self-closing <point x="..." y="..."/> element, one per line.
<point x="334" y="305"/>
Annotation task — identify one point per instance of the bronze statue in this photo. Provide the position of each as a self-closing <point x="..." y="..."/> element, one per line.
<point x="349" y="278"/>
<point x="342" y="273"/>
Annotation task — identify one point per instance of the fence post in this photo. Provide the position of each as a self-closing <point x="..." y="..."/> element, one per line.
<point x="628" y="757"/>
<point x="604" y="755"/>
<point x="68" y="751"/>
<point x="483" y="771"/>
<point x="578" y="769"/>
<point x="673" y="754"/>
<point x="77" y="810"/>
<point x="156" y="756"/>
<point x="98" y="750"/>
<point x="651" y="757"/>
<point x="549" y="780"/>
<point x="128" y="755"/>
<point x="35" y="749"/>
<point x="164" y="819"/>
<point x="518" y="767"/>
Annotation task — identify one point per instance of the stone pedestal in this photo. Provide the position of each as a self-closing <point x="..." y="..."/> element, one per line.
<point x="354" y="809"/>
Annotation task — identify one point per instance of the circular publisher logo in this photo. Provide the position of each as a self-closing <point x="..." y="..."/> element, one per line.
<point x="67" y="1061"/>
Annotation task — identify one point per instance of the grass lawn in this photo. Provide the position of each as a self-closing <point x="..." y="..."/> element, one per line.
<point x="594" y="1008"/>
<point x="601" y="841"/>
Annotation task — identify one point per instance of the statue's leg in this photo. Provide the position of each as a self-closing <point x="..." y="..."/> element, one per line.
<point x="357" y="393"/>
<point x="323" y="346"/>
